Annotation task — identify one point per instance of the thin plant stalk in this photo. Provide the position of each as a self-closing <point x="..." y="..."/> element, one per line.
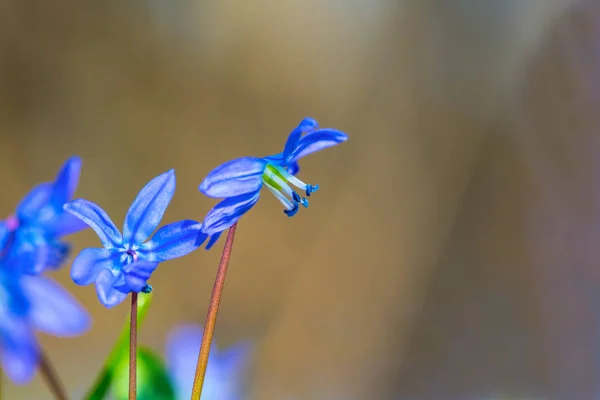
<point x="133" y="346"/>
<point x="211" y="316"/>
<point x="51" y="377"/>
<point x="103" y="382"/>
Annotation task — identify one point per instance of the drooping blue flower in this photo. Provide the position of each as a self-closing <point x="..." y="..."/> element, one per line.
<point x="30" y="303"/>
<point x="127" y="261"/>
<point x="32" y="242"/>
<point x="223" y="379"/>
<point x="239" y="181"/>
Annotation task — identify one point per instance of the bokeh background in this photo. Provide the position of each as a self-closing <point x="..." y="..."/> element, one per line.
<point x="452" y="252"/>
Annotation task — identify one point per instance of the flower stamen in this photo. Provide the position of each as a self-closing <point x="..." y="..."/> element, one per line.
<point x="132" y="254"/>
<point x="276" y="179"/>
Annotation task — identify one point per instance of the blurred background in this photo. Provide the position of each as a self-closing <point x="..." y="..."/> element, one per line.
<point x="451" y="252"/>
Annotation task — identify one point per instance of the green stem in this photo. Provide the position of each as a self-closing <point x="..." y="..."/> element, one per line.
<point x="102" y="384"/>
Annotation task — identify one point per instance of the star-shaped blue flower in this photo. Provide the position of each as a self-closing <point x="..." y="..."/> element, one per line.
<point x="239" y="181"/>
<point x="126" y="261"/>
<point x="223" y="380"/>
<point x="34" y="231"/>
<point x="30" y="303"/>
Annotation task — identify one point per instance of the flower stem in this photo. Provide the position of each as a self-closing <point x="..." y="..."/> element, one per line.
<point x="211" y="316"/>
<point x="133" y="346"/>
<point x="49" y="374"/>
<point x="104" y="380"/>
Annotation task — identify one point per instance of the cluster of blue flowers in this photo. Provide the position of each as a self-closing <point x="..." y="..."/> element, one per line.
<point x="31" y="240"/>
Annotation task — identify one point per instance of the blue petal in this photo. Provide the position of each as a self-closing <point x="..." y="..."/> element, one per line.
<point x="18" y="345"/>
<point x="4" y="235"/>
<point x="293" y="168"/>
<point x="317" y="140"/>
<point x="97" y="219"/>
<point x="171" y="241"/>
<point x="66" y="224"/>
<point x="305" y="126"/>
<point x="15" y="303"/>
<point x="201" y="238"/>
<point x="275" y="159"/>
<point x="90" y="262"/>
<point x="108" y="295"/>
<point x="138" y="273"/>
<point x="66" y="182"/>
<point x="234" y="178"/>
<point x="148" y="208"/>
<point x="31" y="253"/>
<point x="213" y="239"/>
<point x="31" y="204"/>
<point x="227" y="212"/>
<point x="54" y="310"/>
<point x="34" y="261"/>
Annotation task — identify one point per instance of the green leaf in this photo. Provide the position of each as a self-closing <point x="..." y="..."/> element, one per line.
<point x="120" y="349"/>
<point x="152" y="378"/>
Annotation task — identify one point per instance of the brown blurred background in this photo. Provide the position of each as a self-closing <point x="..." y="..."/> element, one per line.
<point x="452" y="250"/>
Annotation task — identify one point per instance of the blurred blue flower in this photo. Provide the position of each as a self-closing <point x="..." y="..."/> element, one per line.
<point x="239" y="181"/>
<point x="29" y="303"/>
<point x="31" y="236"/>
<point x="125" y="263"/>
<point x="223" y="380"/>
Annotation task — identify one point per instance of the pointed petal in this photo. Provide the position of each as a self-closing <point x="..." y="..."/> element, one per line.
<point x="18" y="355"/>
<point x="31" y="204"/>
<point x="171" y="241"/>
<point x="213" y="239"/>
<point x="97" y="219"/>
<point x="66" y="224"/>
<point x="66" y="182"/>
<point x="306" y="125"/>
<point x="227" y="212"/>
<point x="90" y="262"/>
<point x="138" y="273"/>
<point x="108" y="295"/>
<point x="317" y="140"/>
<point x="54" y="310"/>
<point x="148" y="208"/>
<point x="234" y="178"/>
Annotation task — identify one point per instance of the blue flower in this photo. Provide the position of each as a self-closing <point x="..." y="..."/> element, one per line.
<point x="30" y="303"/>
<point x="239" y="181"/>
<point x="224" y="371"/>
<point x="31" y="240"/>
<point x="127" y="261"/>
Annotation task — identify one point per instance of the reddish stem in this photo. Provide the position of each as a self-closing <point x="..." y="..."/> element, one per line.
<point x="211" y="317"/>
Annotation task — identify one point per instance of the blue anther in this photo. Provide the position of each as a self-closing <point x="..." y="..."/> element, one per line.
<point x="296" y="197"/>
<point x="147" y="289"/>
<point x="304" y="202"/>
<point x="310" y="189"/>
<point x="293" y="211"/>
